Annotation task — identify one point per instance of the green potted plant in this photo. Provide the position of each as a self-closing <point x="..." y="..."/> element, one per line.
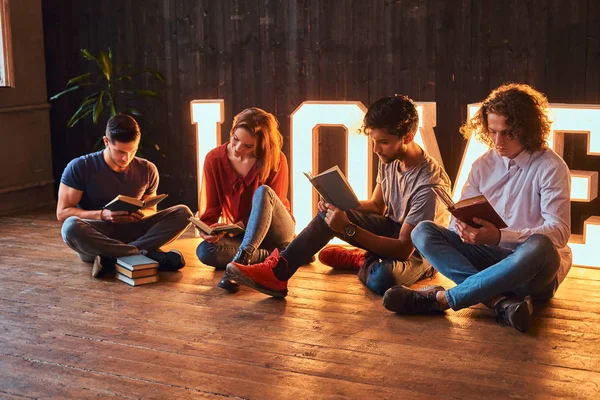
<point x="109" y="87"/>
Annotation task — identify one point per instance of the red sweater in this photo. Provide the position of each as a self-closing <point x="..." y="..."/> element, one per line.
<point x="225" y="193"/>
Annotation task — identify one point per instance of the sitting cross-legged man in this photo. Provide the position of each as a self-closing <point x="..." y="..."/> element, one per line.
<point x="379" y="227"/>
<point x="529" y="186"/>
<point x="100" y="235"/>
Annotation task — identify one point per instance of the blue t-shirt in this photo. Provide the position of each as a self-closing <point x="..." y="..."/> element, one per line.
<point x="100" y="184"/>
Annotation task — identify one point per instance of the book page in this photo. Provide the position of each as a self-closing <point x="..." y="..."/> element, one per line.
<point x="152" y="201"/>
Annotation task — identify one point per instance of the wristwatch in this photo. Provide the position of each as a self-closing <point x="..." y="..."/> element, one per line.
<point x="350" y="230"/>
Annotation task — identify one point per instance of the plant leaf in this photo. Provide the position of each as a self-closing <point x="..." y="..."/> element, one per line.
<point x="78" y="79"/>
<point x="111" y="101"/>
<point x="105" y="65"/>
<point x="94" y="95"/>
<point x="79" y="114"/>
<point x="86" y="105"/>
<point x="157" y="75"/>
<point x="124" y="78"/>
<point x="98" y="108"/>
<point x="71" y="89"/>
<point x="86" y="54"/>
<point x="98" y="144"/>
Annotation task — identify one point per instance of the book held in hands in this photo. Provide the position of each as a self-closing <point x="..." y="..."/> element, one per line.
<point x="334" y="188"/>
<point x="131" y="204"/>
<point x="232" y="229"/>
<point x="467" y="209"/>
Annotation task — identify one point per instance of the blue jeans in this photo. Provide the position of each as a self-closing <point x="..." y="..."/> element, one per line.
<point x="482" y="271"/>
<point x="378" y="273"/>
<point x="270" y="226"/>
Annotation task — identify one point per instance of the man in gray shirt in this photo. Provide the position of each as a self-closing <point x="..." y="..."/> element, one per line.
<point x="379" y="227"/>
<point x="99" y="235"/>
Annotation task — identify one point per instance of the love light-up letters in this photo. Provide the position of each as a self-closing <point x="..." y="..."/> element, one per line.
<point x="310" y="115"/>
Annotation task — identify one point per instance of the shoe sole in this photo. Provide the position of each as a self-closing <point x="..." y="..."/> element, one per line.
<point x="242" y="279"/>
<point x="520" y="318"/>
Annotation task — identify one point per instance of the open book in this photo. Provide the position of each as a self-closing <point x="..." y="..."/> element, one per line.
<point x="131" y="204"/>
<point x="467" y="209"/>
<point x="334" y="188"/>
<point x="231" y="228"/>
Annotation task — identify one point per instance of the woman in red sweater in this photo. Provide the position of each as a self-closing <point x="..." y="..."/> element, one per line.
<point x="245" y="182"/>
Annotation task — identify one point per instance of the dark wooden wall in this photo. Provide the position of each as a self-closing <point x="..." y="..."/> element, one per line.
<point x="274" y="54"/>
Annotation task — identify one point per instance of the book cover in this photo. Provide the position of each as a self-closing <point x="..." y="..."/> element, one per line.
<point x="136" y="281"/>
<point x="473" y="207"/>
<point x="131" y="204"/>
<point x="136" y="274"/>
<point x="334" y="188"/>
<point x="136" y="262"/>
<point x="231" y="228"/>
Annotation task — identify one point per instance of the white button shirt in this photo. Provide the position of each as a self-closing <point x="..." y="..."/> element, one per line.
<point x="532" y="194"/>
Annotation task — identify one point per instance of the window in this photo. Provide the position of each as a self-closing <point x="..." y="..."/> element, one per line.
<point x="6" y="73"/>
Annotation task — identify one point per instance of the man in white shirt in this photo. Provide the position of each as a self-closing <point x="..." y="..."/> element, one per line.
<point x="528" y="184"/>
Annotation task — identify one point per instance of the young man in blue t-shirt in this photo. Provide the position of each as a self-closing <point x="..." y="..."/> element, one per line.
<point x="100" y="235"/>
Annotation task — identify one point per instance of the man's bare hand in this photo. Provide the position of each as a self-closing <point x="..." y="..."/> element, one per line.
<point x="335" y="218"/>
<point x="117" y="217"/>
<point x="486" y="234"/>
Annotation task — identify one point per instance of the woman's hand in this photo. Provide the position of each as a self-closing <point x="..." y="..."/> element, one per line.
<point x="213" y="238"/>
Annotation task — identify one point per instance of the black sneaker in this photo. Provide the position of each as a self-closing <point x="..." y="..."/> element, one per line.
<point x="170" y="261"/>
<point x="514" y="312"/>
<point x="403" y="300"/>
<point x="227" y="283"/>
<point x="102" y="265"/>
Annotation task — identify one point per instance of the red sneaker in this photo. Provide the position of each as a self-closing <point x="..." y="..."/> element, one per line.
<point x="260" y="276"/>
<point x="339" y="257"/>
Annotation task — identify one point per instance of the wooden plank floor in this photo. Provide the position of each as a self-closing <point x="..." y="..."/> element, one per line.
<point x="67" y="335"/>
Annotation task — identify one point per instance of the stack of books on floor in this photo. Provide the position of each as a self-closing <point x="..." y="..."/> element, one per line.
<point x="136" y="270"/>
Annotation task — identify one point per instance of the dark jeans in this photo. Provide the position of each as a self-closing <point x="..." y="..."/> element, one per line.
<point x="378" y="273"/>
<point x="90" y="238"/>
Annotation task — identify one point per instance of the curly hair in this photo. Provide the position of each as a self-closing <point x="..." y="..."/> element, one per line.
<point x="526" y="113"/>
<point x="396" y="114"/>
<point x="264" y="127"/>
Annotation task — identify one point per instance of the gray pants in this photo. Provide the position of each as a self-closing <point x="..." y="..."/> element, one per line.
<point x="90" y="238"/>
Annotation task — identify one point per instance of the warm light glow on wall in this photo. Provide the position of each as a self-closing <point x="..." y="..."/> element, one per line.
<point x="580" y="119"/>
<point x="305" y="121"/>
<point x="208" y="117"/>
<point x="425" y="136"/>
<point x="582" y="245"/>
